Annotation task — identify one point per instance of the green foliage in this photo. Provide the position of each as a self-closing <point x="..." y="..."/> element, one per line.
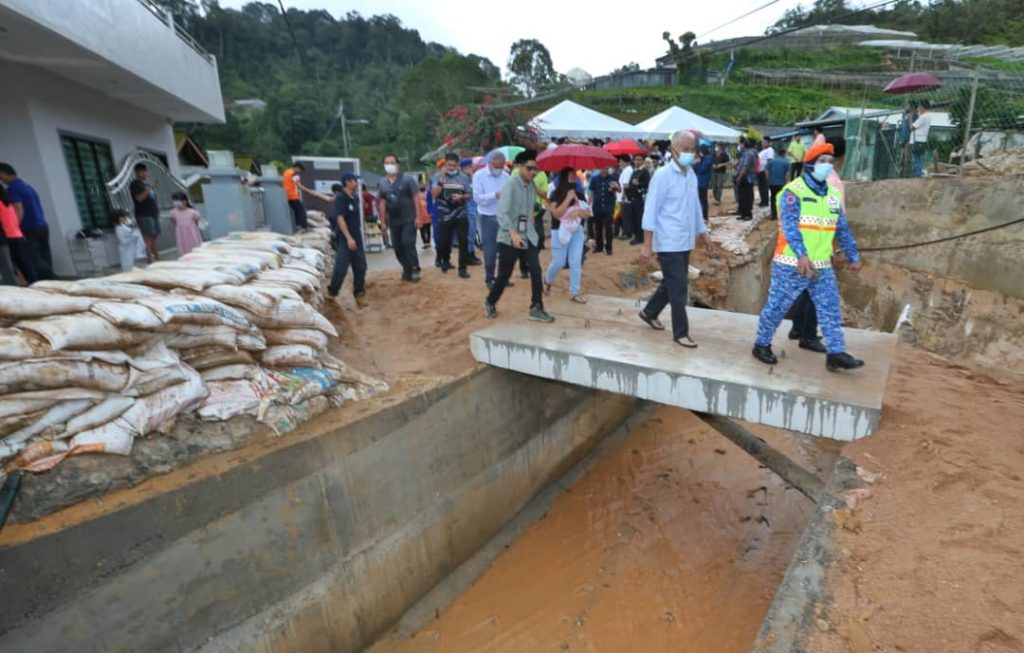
<point x="993" y="63"/>
<point x="480" y="127"/>
<point x="992" y="110"/>
<point x="847" y="58"/>
<point x="434" y="86"/>
<point x="529" y="64"/>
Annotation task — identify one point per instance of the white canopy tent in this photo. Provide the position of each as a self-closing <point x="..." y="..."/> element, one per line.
<point x="676" y="118"/>
<point x="570" y="120"/>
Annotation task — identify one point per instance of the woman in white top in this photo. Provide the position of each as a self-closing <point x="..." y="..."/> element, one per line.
<point x="567" y="233"/>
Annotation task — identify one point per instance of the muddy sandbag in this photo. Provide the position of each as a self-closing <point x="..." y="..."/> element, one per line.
<point x="291" y="314"/>
<point x="204" y="358"/>
<point x="195" y="280"/>
<point x="290" y="356"/>
<point x="300" y="281"/>
<point x="351" y="383"/>
<point x="296" y="385"/>
<point x="307" y="256"/>
<point x="232" y="373"/>
<point x="251" y="299"/>
<point x="282" y="418"/>
<point x="215" y="336"/>
<point x="99" y="288"/>
<point x="230" y="398"/>
<point x="52" y="420"/>
<point x="97" y="414"/>
<point x="19" y="344"/>
<point x="128" y="315"/>
<point x="18" y="303"/>
<point x="276" y="245"/>
<point x="309" y="337"/>
<point x="83" y="331"/>
<point x="240" y="272"/>
<point x="194" y="309"/>
<point x="157" y="412"/>
<point x="263" y="259"/>
<point x="52" y="373"/>
<point x="16" y="414"/>
<point x="114" y="437"/>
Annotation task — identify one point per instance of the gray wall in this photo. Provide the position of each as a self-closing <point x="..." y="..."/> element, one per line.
<point x="317" y="546"/>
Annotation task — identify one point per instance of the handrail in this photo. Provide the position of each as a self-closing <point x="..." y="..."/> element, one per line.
<point x="166" y="183"/>
<point x="167" y="19"/>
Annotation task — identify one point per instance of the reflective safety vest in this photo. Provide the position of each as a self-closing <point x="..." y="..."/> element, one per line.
<point x="818" y="219"/>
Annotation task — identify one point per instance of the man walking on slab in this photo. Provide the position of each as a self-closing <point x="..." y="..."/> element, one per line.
<point x="517" y="233"/>
<point x="672" y="221"/>
<point x="810" y="216"/>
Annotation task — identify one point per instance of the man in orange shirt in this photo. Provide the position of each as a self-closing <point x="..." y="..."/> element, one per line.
<point x="292" y="185"/>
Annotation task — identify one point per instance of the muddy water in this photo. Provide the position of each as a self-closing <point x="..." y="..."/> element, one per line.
<point x="675" y="541"/>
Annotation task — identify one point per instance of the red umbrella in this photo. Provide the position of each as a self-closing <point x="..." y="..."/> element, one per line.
<point x="625" y="146"/>
<point x="577" y="157"/>
<point x="912" y="83"/>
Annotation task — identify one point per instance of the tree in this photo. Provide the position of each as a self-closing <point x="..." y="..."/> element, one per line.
<point x="631" y="67"/>
<point x="530" y="67"/>
<point x="433" y="87"/>
<point x="690" y="66"/>
<point x="482" y="127"/>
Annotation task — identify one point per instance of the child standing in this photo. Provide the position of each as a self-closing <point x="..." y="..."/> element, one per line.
<point x="186" y="224"/>
<point x="130" y="247"/>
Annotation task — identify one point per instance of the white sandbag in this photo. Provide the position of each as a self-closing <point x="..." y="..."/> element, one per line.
<point x="290" y="356"/>
<point x="99" y="414"/>
<point x="83" y="331"/>
<point x="53" y="417"/>
<point x="277" y="246"/>
<point x="298" y="315"/>
<point x="251" y="299"/>
<point x="240" y="272"/>
<point x="283" y="419"/>
<point x="190" y="279"/>
<point x="295" y="385"/>
<point x="204" y="358"/>
<point x="18" y="344"/>
<point x="18" y="302"/>
<point x="215" y="336"/>
<point x="309" y="337"/>
<point x="232" y="373"/>
<point x="161" y="408"/>
<point x="309" y="256"/>
<point x="101" y="288"/>
<point x="299" y="280"/>
<point x="114" y="437"/>
<point x="263" y="259"/>
<point x="362" y="386"/>
<point x="192" y="309"/>
<point x="231" y="398"/>
<point x="19" y="407"/>
<point x="128" y="315"/>
<point x="50" y="373"/>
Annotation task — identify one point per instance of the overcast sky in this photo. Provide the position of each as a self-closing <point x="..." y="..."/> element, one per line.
<point x="595" y="36"/>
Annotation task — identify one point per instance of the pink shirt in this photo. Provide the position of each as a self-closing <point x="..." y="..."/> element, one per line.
<point x="186" y="230"/>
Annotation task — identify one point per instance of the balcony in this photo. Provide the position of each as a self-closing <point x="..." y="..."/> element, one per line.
<point x="129" y="50"/>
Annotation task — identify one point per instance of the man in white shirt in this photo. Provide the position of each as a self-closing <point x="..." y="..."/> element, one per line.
<point x="766" y="154"/>
<point x="919" y="137"/>
<point x="623" y="229"/>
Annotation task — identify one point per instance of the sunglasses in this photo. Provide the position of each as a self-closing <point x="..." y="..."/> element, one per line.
<point x="532" y="168"/>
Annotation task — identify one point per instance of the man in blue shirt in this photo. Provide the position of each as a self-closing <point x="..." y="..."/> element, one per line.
<point x="672" y="221"/>
<point x="602" y="203"/>
<point x="350" y="243"/>
<point x="778" y="176"/>
<point x="452" y="189"/>
<point x="488" y="183"/>
<point x="26" y="204"/>
<point x="745" y="179"/>
<point x="702" y="167"/>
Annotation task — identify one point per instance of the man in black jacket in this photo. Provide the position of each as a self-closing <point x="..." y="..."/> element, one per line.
<point x="636" y="191"/>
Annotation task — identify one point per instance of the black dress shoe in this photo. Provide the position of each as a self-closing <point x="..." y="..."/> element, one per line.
<point x="764" y="354"/>
<point x="813" y="344"/>
<point x="475" y="260"/>
<point x="843" y="361"/>
<point x="463" y="273"/>
<point x="795" y="335"/>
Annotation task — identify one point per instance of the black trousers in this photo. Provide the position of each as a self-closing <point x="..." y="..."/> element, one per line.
<point x="636" y="219"/>
<point x="796" y="169"/>
<point x="702" y="195"/>
<point x="425" y="233"/>
<point x="745" y="198"/>
<point x="762" y="187"/>
<point x="460" y="226"/>
<point x="507" y="257"/>
<point x="805" y="318"/>
<point x="624" y="227"/>
<point x="675" y="269"/>
<point x="345" y="258"/>
<point x="298" y="214"/>
<point x="21" y="256"/>
<point x="42" y="259"/>
<point x="775" y="190"/>
<point x="603" y="231"/>
<point x="403" y="240"/>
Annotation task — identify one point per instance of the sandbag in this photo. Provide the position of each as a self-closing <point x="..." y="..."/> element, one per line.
<point x="190" y="279"/>
<point x="290" y="356"/>
<point x="128" y="315"/>
<point x="309" y="337"/>
<point x="159" y="410"/>
<point x="283" y="418"/>
<point x="215" y="336"/>
<point x="83" y="331"/>
<point x="204" y="358"/>
<point x="100" y="288"/>
<point x="231" y="398"/>
<point x="239" y="272"/>
<point x="12" y="411"/>
<point x="299" y="280"/>
<point x="19" y="303"/>
<point x="50" y="373"/>
<point x="298" y="315"/>
<point x="262" y="259"/>
<point x="99" y="414"/>
<point x="277" y="246"/>
<point x="187" y="309"/>
<point x="295" y="385"/>
<point x="232" y="373"/>
<point x="251" y="299"/>
<point x="54" y="417"/>
<point x="18" y="344"/>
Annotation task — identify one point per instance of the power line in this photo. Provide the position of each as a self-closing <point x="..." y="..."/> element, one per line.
<point x="284" y="14"/>
<point x="942" y="240"/>
<point x="739" y="18"/>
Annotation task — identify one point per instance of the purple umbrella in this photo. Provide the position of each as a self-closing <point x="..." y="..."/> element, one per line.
<point x="912" y="83"/>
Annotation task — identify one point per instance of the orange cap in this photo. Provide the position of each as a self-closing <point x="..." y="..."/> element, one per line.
<point x="818" y="150"/>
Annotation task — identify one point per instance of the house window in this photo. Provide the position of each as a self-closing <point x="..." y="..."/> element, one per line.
<point x="90" y="166"/>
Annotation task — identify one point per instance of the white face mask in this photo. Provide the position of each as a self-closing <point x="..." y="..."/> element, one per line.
<point x="391" y="168"/>
<point x="178" y="204"/>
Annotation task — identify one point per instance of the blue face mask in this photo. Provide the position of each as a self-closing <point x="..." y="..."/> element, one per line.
<point x="822" y="171"/>
<point x="685" y="158"/>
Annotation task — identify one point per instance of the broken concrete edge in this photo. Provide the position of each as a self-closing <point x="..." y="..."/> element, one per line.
<point x="795" y="610"/>
<point x="466" y="574"/>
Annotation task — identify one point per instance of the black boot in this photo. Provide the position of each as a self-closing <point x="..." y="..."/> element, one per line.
<point x="764" y="354"/>
<point x="843" y="361"/>
<point x="813" y="344"/>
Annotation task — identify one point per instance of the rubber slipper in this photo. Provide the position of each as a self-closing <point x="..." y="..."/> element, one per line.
<point x="578" y="299"/>
<point x="686" y="342"/>
<point x="652" y="322"/>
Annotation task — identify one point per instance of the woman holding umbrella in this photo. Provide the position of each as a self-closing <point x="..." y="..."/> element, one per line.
<point x="567" y="234"/>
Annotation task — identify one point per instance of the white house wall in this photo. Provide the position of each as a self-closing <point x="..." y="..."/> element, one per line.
<point x="47" y="106"/>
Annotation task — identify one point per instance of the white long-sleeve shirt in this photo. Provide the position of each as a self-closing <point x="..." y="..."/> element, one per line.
<point x="672" y="210"/>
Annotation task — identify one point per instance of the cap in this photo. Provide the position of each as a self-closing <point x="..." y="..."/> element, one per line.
<point x="465" y="162"/>
<point x="818" y="150"/>
<point x="348" y="176"/>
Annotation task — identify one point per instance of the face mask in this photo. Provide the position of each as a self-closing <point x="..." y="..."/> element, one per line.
<point x="822" y="171"/>
<point x="610" y="171"/>
<point x="390" y="168"/>
<point x="685" y="158"/>
<point x="178" y="204"/>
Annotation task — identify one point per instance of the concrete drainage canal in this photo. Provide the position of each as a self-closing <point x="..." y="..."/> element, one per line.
<point x="495" y="513"/>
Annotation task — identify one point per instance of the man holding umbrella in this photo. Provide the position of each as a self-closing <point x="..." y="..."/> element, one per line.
<point x="672" y="221"/>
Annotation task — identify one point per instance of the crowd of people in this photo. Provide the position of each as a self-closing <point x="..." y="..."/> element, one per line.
<point x="658" y="201"/>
